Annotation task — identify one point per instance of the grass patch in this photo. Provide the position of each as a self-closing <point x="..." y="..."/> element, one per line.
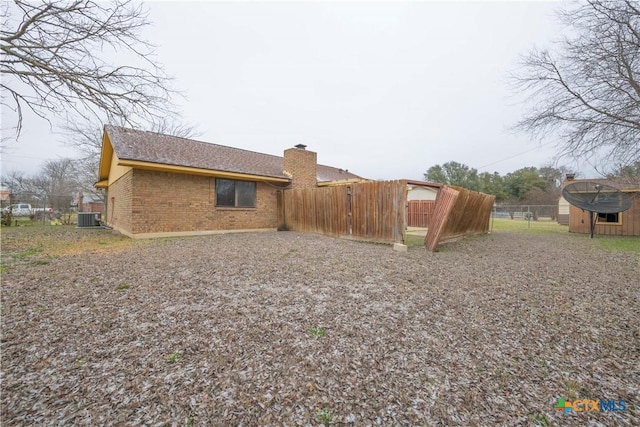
<point x="498" y="225"/>
<point x="540" y="420"/>
<point x="28" y="253"/>
<point x="291" y="252"/>
<point x="502" y="225"/>
<point x="21" y="221"/>
<point x="318" y="332"/>
<point x="173" y="358"/>
<point x="413" y="241"/>
<point x="324" y="416"/>
<point x="19" y="242"/>
<point x="618" y="243"/>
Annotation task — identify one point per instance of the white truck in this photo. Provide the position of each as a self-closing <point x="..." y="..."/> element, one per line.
<point x="25" y="209"/>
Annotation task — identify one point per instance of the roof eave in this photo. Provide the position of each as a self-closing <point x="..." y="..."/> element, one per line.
<point x="162" y="167"/>
<point x="106" y="155"/>
<point x="341" y="182"/>
<point x="424" y="183"/>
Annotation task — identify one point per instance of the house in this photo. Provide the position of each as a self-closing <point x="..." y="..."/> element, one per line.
<point x="564" y="208"/>
<point x="419" y="190"/>
<point x="5" y="194"/>
<point x="161" y="185"/>
<point x="88" y="203"/>
<point x="625" y="223"/>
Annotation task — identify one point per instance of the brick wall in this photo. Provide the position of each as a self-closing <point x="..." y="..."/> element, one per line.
<point x="171" y="202"/>
<point x="301" y="165"/>
<point x="119" y="193"/>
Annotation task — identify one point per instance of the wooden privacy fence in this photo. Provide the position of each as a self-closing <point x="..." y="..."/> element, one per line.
<point x="458" y="212"/>
<point x="419" y="212"/>
<point x="373" y="210"/>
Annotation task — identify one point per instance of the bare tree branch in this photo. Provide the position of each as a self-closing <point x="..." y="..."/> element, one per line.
<point x="587" y="93"/>
<point x="58" y="57"/>
<point x="86" y="138"/>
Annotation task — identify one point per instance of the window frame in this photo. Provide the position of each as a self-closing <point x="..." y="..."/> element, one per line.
<point x="236" y="194"/>
<point x="599" y="222"/>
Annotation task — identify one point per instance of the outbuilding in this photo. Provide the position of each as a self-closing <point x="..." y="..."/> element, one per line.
<point x="625" y="223"/>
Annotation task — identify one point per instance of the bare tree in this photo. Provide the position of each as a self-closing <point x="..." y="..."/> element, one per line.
<point x="57" y="58"/>
<point x="587" y="92"/>
<point x="54" y="185"/>
<point x="57" y="182"/>
<point x="173" y="126"/>
<point x="17" y="182"/>
<point x="86" y="137"/>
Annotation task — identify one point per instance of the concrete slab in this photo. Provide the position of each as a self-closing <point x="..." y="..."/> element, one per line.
<point x="399" y="247"/>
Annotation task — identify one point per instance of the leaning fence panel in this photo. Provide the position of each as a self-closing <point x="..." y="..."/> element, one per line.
<point x="458" y="212"/>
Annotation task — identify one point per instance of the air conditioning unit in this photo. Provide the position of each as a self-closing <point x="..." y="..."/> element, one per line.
<point x="88" y="219"/>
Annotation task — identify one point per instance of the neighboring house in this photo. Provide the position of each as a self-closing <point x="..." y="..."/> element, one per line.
<point x="88" y="203"/>
<point x="159" y="185"/>
<point x="419" y="190"/>
<point x="5" y="194"/>
<point x="564" y="208"/>
<point x="625" y="223"/>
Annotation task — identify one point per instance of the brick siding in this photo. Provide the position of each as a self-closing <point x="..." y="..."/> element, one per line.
<point x="301" y="165"/>
<point x="164" y="202"/>
<point x="118" y="213"/>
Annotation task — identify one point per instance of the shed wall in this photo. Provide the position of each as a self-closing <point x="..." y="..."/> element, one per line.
<point x="630" y="224"/>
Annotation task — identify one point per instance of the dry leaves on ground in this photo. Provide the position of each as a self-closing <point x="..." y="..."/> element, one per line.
<point x="299" y="329"/>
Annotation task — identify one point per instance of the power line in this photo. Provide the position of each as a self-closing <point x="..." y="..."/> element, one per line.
<point x="24" y="157"/>
<point x="515" y="155"/>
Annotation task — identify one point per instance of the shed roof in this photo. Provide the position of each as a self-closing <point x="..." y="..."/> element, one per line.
<point x="151" y="147"/>
<point x="627" y="184"/>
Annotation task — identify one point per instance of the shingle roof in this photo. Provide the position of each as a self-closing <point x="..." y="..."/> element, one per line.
<point x="329" y="173"/>
<point x="144" y="146"/>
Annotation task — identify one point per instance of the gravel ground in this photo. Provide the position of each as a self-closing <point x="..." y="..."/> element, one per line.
<point x="298" y="329"/>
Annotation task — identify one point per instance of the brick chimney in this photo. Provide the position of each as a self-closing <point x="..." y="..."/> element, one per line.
<point x="301" y="165"/>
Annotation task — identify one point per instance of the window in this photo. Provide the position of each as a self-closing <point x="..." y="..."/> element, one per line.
<point x="610" y="218"/>
<point x="235" y="194"/>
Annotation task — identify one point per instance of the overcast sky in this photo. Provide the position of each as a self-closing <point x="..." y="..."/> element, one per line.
<point x="384" y="89"/>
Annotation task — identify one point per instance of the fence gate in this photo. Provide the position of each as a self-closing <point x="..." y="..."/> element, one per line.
<point x="419" y="212"/>
<point x="372" y="210"/>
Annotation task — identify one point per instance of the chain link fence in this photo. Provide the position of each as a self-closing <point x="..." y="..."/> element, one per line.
<point x="526" y="212"/>
<point x="540" y="218"/>
<point x="44" y="208"/>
